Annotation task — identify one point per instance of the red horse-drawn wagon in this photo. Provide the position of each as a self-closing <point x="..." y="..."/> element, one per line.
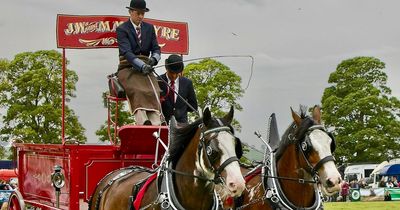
<point x="75" y="170"/>
<point x="64" y="176"/>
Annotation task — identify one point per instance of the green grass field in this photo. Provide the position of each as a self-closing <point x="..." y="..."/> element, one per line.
<point x="372" y="205"/>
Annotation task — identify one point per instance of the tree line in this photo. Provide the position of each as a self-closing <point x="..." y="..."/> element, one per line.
<point x="357" y="105"/>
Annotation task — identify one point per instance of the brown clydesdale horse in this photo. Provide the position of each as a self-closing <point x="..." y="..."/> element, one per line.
<point x="291" y="176"/>
<point x="200" y="156"/>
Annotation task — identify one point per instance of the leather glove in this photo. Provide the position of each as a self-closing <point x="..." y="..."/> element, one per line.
<point x="153" y="61"/>
<point x="147" y="69"/>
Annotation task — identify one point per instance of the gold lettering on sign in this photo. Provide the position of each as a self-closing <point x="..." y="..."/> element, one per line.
<point x="175" y="34"/>
<point x="156" y="29"/>
<point x="104" y="26"/>
<point x="104" y="41"/>
<point x="167" y="33"/>
<point x="89" y="27"/>
<point x="107" y="26"/>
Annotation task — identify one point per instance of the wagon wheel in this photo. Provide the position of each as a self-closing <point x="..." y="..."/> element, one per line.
<point x="15" y="202"/>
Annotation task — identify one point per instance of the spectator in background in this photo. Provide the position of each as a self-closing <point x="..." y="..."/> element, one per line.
<point x="362" y="183"/>
<point x="389" y="184"/>
<point x="395" y="182"/>
<point x="354" y="184"/>
<point x="344" y="192"/>
<point x="382" y="183"/>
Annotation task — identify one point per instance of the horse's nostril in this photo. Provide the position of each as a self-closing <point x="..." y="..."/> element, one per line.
<point x="233" y="187"/>
<point x="329" y="183"/>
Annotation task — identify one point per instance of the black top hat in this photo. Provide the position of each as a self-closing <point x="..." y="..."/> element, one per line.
<point x="138" y="5"/>
<point x="174" y="63"/>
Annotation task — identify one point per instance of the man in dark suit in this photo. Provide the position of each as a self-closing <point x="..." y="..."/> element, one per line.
<point x="137" y="41"/>
<point x="171" y="103"/>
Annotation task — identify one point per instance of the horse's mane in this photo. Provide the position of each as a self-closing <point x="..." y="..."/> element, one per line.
<point x="298" y="133"/>
<point x="181" y="138"/>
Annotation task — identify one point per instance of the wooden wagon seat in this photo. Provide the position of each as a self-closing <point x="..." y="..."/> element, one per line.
<point x="138" y="139"/>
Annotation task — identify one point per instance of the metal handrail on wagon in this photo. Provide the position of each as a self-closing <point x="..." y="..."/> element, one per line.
<point x="113" y="123"/>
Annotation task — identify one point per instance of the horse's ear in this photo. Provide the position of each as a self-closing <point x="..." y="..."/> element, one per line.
<point x="228" y="117"/>
<point x="206" y="116"/>
<point x="316" y="114"/>
<point x="297" y="119"/>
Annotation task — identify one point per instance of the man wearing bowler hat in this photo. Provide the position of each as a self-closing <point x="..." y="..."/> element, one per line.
<point x="171" y="103"/>
<point x="138" y="53"/>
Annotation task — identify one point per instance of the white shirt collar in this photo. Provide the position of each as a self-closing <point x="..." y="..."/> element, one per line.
<point x="176" y="80"/>
<point x="134" y="25"/>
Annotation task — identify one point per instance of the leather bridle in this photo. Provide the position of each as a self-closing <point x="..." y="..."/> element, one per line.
<point x="207" y="150"/>
<point x="313" y="169"/>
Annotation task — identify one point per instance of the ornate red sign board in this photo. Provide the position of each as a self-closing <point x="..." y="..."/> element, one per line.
<point x="87" y="32"/>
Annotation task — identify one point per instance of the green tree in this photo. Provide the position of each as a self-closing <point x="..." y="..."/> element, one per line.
<point x="30" y="92"/>
<point x="124" y="118"/>
<point x="216" y="86"/>
<point x="362" y="112"/>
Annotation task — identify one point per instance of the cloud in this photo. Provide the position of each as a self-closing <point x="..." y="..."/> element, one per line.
<point x="294" y="50"/>
<point x="247" y="2"/>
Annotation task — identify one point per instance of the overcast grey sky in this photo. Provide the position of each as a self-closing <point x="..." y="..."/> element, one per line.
<point x="296" y="45"/>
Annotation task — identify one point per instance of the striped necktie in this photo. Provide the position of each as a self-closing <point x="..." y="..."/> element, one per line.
<point x="139" y="35"/>
<point x="172" y="91"/>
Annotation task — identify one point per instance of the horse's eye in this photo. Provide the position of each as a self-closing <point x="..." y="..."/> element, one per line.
<point x="209" y="151"/>
<point x="213" y="153"/>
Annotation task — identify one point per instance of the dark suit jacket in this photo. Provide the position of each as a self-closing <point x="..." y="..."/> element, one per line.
<point x="179" y="109"/>
<point x="128" y="43"/>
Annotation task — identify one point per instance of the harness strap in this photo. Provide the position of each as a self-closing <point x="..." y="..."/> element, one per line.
<point x="321" y="162"/>
<point x="124" y="172"/>
<point x="167" y="197"/>
<point x="224" y="164"/>
<point x="214" y="130"/>
<point x="142" y="191"/>
<point x="135" y="189"/>
<point x="187" y="174"/>
<point x="251" y="175"/>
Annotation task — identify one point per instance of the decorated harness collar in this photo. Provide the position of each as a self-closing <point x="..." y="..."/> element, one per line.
<point x="273" y="191"/>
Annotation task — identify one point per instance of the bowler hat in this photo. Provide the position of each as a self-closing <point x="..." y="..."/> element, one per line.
<point x="138" y="5"/>
<point x="174" y="63"/>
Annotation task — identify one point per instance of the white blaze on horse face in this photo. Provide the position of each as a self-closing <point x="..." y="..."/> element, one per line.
<point x="201" y="166"/>
<point x="330" y="176"/>
<point x="234" y="178"/>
